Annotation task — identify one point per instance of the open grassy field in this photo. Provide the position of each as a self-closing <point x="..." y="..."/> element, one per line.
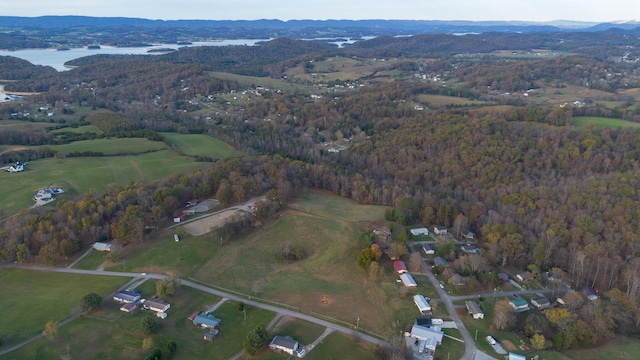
<point x="201" y="144"/>
<point x="601" y="122"/>
<point x="116" y="146"/>
<point x="165" y="256"/>
<point x="301" y="330"/>
<point x="338" y="346"/>
<point x="31" y="298"/>
<point x="92" y="261"/>
<point x="90" y="129"/>
<point x="266" y="82"/>
<point x="17" y="124"/>
<point x="84" y="174"/>
<point x="325" y="282"/>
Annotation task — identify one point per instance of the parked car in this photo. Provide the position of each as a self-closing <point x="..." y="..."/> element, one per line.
<point x="491" y="340"/>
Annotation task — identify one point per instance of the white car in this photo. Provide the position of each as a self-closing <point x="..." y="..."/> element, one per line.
<point x="143" y="274"/>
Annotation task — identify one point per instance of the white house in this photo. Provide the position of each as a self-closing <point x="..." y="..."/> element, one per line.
<point x="157" y="305"/>
<point x="284" y="343"/>
<point x="428" y="249"/>
<point x="420" y="231"/>
<point x="100" y="246"/>
<point x="513" y="356"/>
<point x="440" y="230"/>
<point x="18" y="167"/>
<point x="432" y="335"/>
<point x="422" y="303"/>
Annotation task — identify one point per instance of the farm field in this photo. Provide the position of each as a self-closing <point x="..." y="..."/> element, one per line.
<point x="266" y="82"/>
<point x="111" y="147"/>
<point x="325" y="282"/>
<point x="601" y="122"/>
<point x="81" y="175"/>
<point x="36" y="297"/>
<point x="200" y="144"/>
<point x="90" y="129"/>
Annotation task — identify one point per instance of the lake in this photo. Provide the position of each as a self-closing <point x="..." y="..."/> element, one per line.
<point x="57" y="58"/>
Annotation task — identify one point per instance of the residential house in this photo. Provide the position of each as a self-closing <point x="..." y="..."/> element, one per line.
<point x="210" y="335"/>
<point x="474" y="310"/>
<point x="129" y="307"/>
<point x="503" y="276"/>
<point x="513" y="356"/>
<point x="382" y="232"/>
<point x="440" y="230"/>
<point x="432" y="335"/>
<point x="524" y="276"/>
<point x="284" y="343"/>
<point x="456" y="280"/>
<point x="420" y="231"/>
<point x="470" y="249"/>
<point x="156" y="304"/>
<point x="126" y="297"/>
<point x="100" y="246"/>
<point x="422" y="303"/>
<point x="468" y="234"/>
<point x="519" y="304"/>
<point x="399" y="267"/>
<point x="206" y="321"/>
<point x="541" y="302"/>
<point x="408" y="281"/>
<point x="429" y="249"/>
<point x="441" y="261"/>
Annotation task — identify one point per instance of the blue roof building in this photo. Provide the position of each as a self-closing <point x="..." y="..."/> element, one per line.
<point x="206" y="321"/>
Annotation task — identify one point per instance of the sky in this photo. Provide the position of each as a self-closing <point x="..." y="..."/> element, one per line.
<point x="476" y="10"/>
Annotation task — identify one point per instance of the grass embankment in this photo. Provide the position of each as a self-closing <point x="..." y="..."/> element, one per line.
<point x="601" y="122"/>
<point x="200" y="144"/>
<point x="30" y="299"/>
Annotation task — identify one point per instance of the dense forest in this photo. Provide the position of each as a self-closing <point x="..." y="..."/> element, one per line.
<point x="538" y="191"/>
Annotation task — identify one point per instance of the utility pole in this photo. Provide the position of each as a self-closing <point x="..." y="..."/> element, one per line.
<point x="476" y="334"/>
<point x="357" y="323"/>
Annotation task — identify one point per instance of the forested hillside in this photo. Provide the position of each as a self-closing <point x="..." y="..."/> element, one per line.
<point x="508" y="165"/>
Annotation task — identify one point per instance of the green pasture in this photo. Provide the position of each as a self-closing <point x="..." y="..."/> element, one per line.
<point x="303" y="331"/>
<point x="80" y="175"/>
<point x="165" y="256"/>
<point x="17" y="124"/>
<point x="450" y="349"/>
<point x="113" y="146"/>
<point x="30" y="299"/>
<point x="600" y="122"/>
<point x="85" y="129"/>
<point x="201" y="144"/>
<point x="91" y="261"/>
<point x="338" y="346"/>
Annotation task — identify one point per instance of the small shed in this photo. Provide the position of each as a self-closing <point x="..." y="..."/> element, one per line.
<point x="210" y="335"/>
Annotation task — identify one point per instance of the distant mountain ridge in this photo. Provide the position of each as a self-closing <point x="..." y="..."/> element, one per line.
<point x="367" y="27"/>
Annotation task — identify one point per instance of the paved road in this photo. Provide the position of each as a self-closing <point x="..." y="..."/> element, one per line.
<point x="203" y="288"/>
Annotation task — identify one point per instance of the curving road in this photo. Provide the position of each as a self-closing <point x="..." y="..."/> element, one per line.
<point x="279" y="311"/>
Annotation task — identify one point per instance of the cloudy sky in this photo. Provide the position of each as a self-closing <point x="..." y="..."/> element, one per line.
<point x="529" y="10"/>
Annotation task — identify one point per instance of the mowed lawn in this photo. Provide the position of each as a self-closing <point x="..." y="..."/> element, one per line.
<point x="201" y="144"/>
<point x="29" y="299"/>
<point x="81" y="175"/>
<point x="327" y="281"/>
<point x="601" y="122"/>
<point x="79" y="130"/>
<point x="115" y="146"/>
<point x="113" y="334"/>
<point x="165" y="256"/>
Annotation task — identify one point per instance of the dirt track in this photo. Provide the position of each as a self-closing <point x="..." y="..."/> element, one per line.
<point x="205" y="225"/>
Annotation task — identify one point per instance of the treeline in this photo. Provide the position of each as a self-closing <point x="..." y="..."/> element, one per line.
<point x="12" y="68"/>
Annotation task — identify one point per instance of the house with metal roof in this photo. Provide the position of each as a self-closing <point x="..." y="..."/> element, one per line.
<point x="126" y="296"/>
<point x="474" y="310"/>
<point x="206" y="320"/>
<point x="399" y="267"/>
<point x="284" y="343"/>
<point x="422" y="303"/>
<point x="156" y="304"/>
<point x="408" y="280"/>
